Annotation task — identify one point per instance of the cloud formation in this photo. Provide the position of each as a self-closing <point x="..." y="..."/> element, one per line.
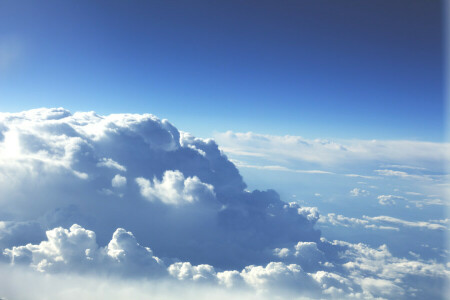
<point x="140" y="173"/>
<point x="336" y="270"/>
<point x="413" y="155"/>
<point x="90" y="194"/>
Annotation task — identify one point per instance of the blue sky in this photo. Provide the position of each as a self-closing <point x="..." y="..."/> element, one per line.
<point x="312" y="68"/>
<point x="303" y="156"/>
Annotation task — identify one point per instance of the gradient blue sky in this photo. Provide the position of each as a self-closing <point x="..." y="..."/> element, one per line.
<point x="347" y="69"/>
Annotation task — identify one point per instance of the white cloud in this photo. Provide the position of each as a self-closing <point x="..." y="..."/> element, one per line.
<point x="279" y="168"/>
<point x="359" y="271"/>
<point x="414" y="154"/>
<point x="372" y="222"/>
<point x="340" y="220"/>
<point x="185" y="271"/>
<point x="118" y="181"/>
<point x="356" y="192"/>
<point x="418" y="224"/>
<point x="76" y="249"/>
<point x="60" y="168"/>
<point x="174" y="189"/>
<point x="185" y="199"/>
<point x="109" y="163"/>
<point x="389" y="199"/>
<point x="402" y="174"/>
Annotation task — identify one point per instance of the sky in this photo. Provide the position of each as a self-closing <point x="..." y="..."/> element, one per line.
<point x="225" y="149"/>
<point x="346" y="69"/>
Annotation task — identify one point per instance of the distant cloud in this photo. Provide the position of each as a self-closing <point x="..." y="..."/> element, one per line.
<point x="109" y="163"/>
<point x="279" y="168"/>
<point x="357" y="192"/>
<point x="326" y="153"/>
<point x="419" y="224"/>
<point x="389" y="199"/>
<point x="340" y="220"/>
<point x="372" y="222"/>
<point x="402" y="174"/>
<point x="118" y="181"/>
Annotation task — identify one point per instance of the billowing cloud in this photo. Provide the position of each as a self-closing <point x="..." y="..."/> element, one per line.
<point x="175" y="189"/>
<point x="131" y="196"/>
<point x="336" y="270"/>
<point x="140" y="173"/>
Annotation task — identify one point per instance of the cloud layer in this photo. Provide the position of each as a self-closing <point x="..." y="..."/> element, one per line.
<point x="130" y="195"/>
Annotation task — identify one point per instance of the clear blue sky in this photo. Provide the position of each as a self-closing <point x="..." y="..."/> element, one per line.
<point x="341" y="69"/>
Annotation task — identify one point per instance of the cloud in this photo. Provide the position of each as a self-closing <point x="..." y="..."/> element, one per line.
<point x="414" y="155"/>
<point x="325" y="269"/>
<point x="340" y="220"/>
<point x="118" y="181"/>
<point x="372" y="222"/>
<point x="402" y="174"/>
<point x="418" y="224"/>
<point x="279" y="168"/>
<point x="89" y="194"/>
<point x="356" y="192"/>
<point x="109" y="163"/>
<point x="174" y="189"/>
<point x="139" y="172"/>
<point x="76" y="249"/>
<point x="389" y="199"/>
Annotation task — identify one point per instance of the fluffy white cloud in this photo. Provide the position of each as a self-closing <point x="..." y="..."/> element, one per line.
<point x="185" y="271"/>
<point x="76" y="249"/>
<point x="58" y="168"/>
<point x="118" y="181"/>
<point x="174" y="189"/>
<point x="339" y="270"/>
<point x="184" y="198"/>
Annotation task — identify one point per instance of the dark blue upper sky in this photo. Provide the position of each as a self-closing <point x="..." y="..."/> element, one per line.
<point x="342" y="69"/>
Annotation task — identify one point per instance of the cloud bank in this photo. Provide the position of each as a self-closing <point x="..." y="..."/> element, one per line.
<point x="132" y="196"/>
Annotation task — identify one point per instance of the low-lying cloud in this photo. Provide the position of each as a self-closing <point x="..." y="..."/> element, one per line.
<point x="132" y="197"/>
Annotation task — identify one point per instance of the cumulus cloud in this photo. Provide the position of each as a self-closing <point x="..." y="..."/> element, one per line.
<point x="329" y="270"/>
<point x="174" y="189"/>
<point x="139" y="172"/>
<point x="118" y="181"/>
<point x="76" y="249"/>
<point x="90" y="194"/>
